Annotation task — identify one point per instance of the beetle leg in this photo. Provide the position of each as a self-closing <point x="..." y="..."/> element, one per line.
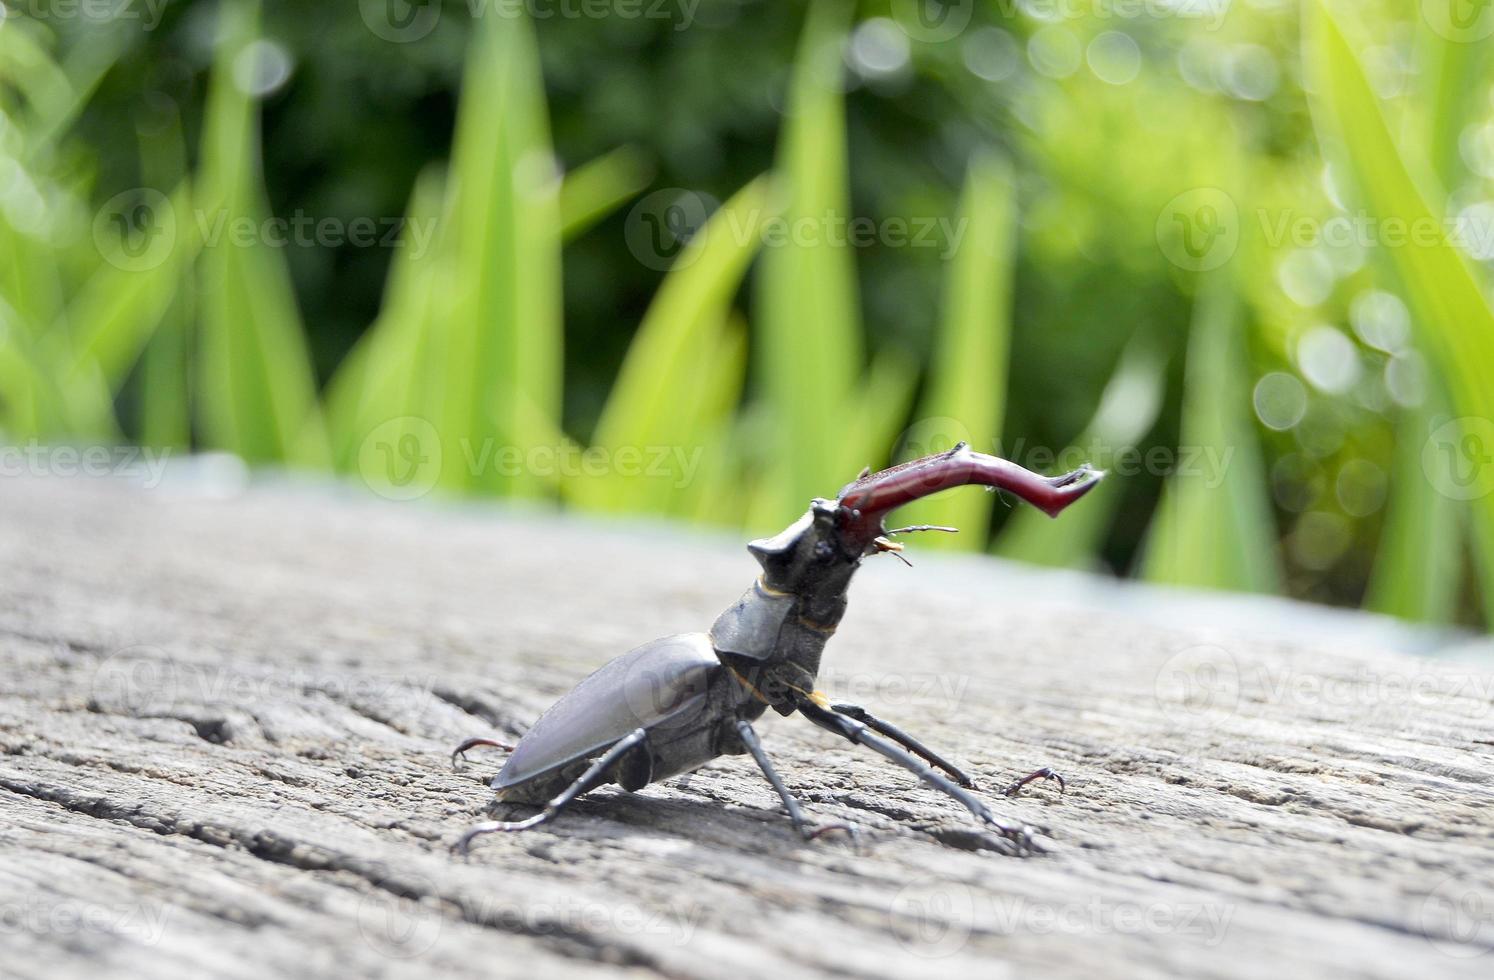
<point x="795" y="812"/>
<point x="904" y="739"/>
<point x="855" y="731"/>
<point x="460" y="752"/>
<point x="1032" y="777"/>
<point x="590" y="779"/>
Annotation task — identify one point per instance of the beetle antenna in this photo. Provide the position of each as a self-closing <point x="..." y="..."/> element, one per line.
<point x="924" y="527"/>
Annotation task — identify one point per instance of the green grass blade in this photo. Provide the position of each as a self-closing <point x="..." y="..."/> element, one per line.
<point x="1213" y="528"/>
<point x="165" y="413"/>
<point x="874" y="413"/>
<point x="1418" y="566"/>
<point x="1420" y="561"/>
<point x="1128" y="410"/>
<point x="381" y="378"/>
<point x="1454" y="322"/>
<point x="967" y="391"/>
<point x="711" y="488"/>
<point x="683" y="363"/>
<point x="120" y="306"/>
<point x="256" y="391"/>
<point x="500" y="329"/>
<point x="809" y="322"/>
<point x="597" y="188"/>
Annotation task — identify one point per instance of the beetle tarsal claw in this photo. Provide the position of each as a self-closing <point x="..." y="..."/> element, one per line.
<point x="851" y="831"/>
<point x="1021" y="837"/>
<point x="460" y="752"/>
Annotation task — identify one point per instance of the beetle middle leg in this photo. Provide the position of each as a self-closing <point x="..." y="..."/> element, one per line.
<point x="796" y="813"/>
<point x="855" y="731"/>
<point x="904" y="739"/>
<point x="588" y="780"/>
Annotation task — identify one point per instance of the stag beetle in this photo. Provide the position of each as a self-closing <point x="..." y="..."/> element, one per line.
<point x="672" y="705"/>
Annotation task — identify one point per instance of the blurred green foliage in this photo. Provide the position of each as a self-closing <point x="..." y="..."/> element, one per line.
<point x="1237" y="253"/>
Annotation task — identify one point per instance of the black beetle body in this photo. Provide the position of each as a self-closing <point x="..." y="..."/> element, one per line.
<point x="671" y="687"/>
<point x="672" y="705"/>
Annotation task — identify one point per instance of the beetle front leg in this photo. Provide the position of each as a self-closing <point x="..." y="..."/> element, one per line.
<point x="904" y="739"/>
<point x="855" y="731"/>
<point x="796" y="814"/>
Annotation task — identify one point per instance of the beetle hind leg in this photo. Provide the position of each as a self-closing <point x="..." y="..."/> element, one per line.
<point x="590" y="779"/>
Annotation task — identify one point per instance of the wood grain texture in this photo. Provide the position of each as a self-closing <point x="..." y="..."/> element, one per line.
<point x="225" y="718"/>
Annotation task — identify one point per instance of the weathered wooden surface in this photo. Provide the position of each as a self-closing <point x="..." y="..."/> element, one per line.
<point x="225" y="726"/>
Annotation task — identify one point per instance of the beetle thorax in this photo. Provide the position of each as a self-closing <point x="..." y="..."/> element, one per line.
<point x="777" y="630"/>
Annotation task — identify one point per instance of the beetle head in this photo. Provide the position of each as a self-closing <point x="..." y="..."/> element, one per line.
<point x="807" y="553"/>
<point x="823" y="547"/>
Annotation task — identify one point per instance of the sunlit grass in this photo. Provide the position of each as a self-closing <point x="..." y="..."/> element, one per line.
<point x="753" y="366"/>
